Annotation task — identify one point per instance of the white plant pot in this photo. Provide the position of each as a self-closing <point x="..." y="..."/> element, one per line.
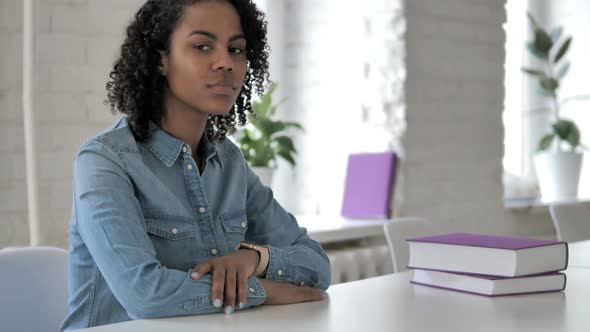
<point x="559" y="174"/>
<point x="265" y="174"/>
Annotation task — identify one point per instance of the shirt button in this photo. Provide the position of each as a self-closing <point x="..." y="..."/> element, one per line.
<point x="243" y="224"/>
<point x="184" y="149"/>
<point x="280" y="272"/>
<point x="174" y="231"/>
<point x="251" y="290"/>
<point x="214" y="251"/>
<point x="201" y="210"/>
<point x="189" y="166"/>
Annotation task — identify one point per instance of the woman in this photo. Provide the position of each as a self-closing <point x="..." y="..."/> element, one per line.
<point x="167" y="217"/>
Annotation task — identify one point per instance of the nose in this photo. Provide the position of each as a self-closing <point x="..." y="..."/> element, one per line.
<point x="223" y="61"/>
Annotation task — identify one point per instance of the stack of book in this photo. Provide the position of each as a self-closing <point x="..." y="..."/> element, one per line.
<point x="488" y="265"/>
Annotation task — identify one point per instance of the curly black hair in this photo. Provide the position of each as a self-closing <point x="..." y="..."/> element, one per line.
<point x="137" y="87"/>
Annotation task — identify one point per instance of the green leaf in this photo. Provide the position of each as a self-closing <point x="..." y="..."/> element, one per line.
<point x="562" y="128"/>
<point x="573" y="138"/>
<point x="567" y="131"/>
<point x="563" y="70"/>
<point x="288" y="157"/>
<point x="273" y="108"/>
<point x="549" y="84"/>
<point x="263" y="154"/>
<point x="533" y="50"/>
<point x="543" y="42"/>
<point x="532" y="20"/>
<point x="262" y="108"/>
<point x="285" y="144"/>
<point x="246" y="143"/>
<point x="262" y="144"/>
<point x="563" y="49"/>
<point x="269" y="127"/>
<point x="545" y="142"/>
<point x="293" y="125"/>
<point x="534" y="72"/>
<point x="556" y="34"/>
<point x="544" y="92"/>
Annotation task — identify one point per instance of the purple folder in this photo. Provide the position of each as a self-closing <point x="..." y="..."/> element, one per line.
<point x="369" y="185"/>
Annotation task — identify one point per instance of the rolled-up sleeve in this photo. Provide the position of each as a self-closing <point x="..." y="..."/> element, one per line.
<point x="110" y="222"/>
<point x="294" y="256"/>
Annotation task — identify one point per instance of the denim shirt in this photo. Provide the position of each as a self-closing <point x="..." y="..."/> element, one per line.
<point x="143" y="216"/>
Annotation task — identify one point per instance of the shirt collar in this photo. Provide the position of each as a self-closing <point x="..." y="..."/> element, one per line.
<point x="168" y="148"/>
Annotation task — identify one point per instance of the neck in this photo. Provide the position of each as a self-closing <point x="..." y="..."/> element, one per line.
<point x="183" y="122"/>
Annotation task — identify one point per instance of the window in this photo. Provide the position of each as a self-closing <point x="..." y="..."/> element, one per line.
<point x="524" y="122"/>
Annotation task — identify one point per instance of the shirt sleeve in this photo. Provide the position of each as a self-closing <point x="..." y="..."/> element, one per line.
<point x="294" y="256"/>
<point x="110" y="222"/>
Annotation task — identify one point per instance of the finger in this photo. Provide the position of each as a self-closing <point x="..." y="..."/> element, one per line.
<point x="242" y="289"/>
<point x="200" y="270"/>
<point x="217" y="284"/>
<point x="311" y="294"/>
<point x="230" y="290"/>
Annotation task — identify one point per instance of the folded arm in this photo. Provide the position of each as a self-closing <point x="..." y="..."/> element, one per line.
<point x="294" y="256"/>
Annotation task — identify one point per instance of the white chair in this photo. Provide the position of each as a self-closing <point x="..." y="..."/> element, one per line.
<point x="33" y="288"/>
<point x="396" y="233"/>
<point x="572" y="221"/>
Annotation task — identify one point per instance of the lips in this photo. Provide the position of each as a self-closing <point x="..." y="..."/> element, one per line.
<point x="224" y="87"/>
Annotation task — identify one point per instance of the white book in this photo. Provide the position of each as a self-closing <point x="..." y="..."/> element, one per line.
<point x="488" y="255"/>
<point x="488" y="285"/>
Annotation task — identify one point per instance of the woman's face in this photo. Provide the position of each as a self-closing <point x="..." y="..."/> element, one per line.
<point x="206" y="65"/>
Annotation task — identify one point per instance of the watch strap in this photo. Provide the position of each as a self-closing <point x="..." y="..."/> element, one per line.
<point x="264" y="257"/>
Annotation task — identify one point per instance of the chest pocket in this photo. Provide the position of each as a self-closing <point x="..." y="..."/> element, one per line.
<point x="174" y="239"/>
<point x="235" y="225"/>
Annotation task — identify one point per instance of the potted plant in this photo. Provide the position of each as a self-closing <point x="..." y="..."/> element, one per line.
<point x="558" y="160"/>
<point x="263" y="140"/>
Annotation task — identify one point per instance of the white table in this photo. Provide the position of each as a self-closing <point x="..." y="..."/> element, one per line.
<point x="579" y="254"/>
<point x="391" y="303"/>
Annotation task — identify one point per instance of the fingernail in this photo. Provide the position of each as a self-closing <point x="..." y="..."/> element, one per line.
<point x="241" y="305"/>
<point x="228" y="309"/>
<point x="217" y="303"/>
<point x="194" y="275"/>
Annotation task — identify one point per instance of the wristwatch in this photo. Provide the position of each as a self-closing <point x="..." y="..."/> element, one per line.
<point x="264" y="257"/>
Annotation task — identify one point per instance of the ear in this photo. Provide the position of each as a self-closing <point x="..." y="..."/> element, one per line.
<point x="164" y="63"/>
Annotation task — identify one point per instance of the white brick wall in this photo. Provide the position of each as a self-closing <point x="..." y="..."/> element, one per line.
<point x="454" y="103"/>
<point x="13" y="227"/>
<point x="454" y="138"/>
<point x="76" y="43"/>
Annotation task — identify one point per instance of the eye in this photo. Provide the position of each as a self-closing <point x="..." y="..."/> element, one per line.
<point x="236" y="50"/>
<point x="203" y="47"/>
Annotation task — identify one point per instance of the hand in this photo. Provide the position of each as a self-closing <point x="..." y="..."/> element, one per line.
<point x="278" y="292"/>
<point x="229" y="275"/>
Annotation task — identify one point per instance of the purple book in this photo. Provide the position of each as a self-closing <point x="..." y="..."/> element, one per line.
<point x="490" y="286"/>
<point x="487" y="254"/>
<point x="369" y="185"/>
